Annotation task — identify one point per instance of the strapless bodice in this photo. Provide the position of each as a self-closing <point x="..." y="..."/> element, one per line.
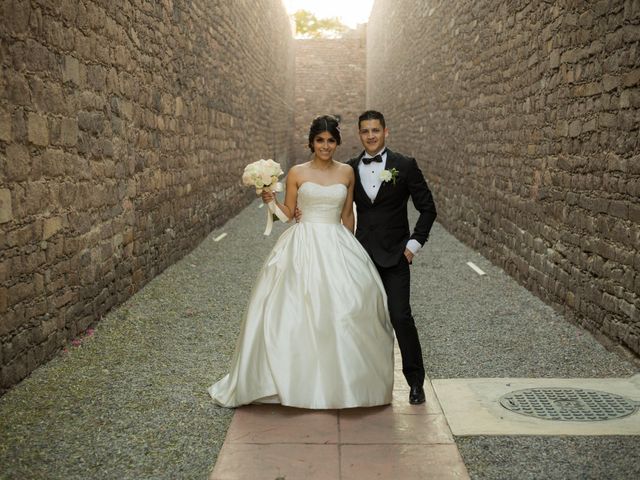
<point x="321" y="203"/>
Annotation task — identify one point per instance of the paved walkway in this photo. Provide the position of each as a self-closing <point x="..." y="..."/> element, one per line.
<point x="130" y="401"/>
<point x="400" y="441"/>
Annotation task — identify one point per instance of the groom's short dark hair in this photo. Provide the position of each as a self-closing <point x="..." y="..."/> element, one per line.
<point x="372" y="115"/>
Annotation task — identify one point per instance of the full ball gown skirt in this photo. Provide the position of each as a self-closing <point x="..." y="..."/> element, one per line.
<point x="317" y="332"/>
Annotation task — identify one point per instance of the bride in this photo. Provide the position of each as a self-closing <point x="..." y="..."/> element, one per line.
<point x="317" y="332"/>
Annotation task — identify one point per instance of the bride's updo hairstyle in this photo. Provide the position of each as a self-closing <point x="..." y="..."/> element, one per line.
<point x="324" y="123"/>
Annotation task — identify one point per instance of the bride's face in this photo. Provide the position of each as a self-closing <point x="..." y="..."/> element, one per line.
<point x="324" y="146"/>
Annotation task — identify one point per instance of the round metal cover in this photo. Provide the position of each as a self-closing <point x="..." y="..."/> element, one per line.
<point x="572" y="404"/>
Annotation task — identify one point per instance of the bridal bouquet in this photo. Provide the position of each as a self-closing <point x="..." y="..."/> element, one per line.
<point x="263" y="176"/>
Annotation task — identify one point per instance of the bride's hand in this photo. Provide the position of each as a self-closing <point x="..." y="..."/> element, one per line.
<point x="267" y="196"/>
<point x="297" y="214"/>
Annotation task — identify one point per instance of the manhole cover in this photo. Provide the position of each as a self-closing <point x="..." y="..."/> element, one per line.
<point x="574" y="404"/>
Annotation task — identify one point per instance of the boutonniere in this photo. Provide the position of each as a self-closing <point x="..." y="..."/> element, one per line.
<point x="389" y="175"/>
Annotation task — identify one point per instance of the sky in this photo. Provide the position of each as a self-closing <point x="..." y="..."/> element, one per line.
<point x="350" y="12"/>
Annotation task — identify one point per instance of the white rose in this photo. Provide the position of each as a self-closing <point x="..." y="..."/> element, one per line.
<point x="385" y="175"/>
<point x="274" y="168"/>
<point x="247" y="178"/>
<point x="265" y="178"/>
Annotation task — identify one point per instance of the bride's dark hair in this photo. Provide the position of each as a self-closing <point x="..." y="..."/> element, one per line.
<point x="324" y="123"/>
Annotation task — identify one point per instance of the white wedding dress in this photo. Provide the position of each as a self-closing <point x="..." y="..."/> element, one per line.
<point x="316" y="333"/>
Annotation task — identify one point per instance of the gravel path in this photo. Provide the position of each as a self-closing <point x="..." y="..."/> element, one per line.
<point x="131" y="403"/>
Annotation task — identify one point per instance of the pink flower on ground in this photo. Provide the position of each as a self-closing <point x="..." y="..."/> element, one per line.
<point x="76" y="342"/>
<point x="90" y="332"/>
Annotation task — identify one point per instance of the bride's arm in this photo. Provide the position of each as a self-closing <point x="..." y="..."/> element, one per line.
<point x="347" y="217"/>
<point x="290" y="196"/>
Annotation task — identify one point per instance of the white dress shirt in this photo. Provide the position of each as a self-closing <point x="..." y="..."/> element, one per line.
<point x="371" y="182"/>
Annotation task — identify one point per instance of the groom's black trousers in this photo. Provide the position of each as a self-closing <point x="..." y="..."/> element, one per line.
<point x="397" y="284"/>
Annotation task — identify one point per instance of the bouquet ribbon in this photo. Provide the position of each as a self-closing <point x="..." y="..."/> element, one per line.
<point x="272" y="208"/>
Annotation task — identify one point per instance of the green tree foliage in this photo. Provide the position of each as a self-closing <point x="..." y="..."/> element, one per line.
<point x="309" y="26"/>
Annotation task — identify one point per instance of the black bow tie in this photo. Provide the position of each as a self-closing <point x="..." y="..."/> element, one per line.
<point x="368" y="160"/>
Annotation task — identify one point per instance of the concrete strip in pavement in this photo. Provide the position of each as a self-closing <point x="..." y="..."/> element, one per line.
<point x="472" y="407"/>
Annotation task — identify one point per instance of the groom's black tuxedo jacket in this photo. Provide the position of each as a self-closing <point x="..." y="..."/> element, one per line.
<point x="383" y="225"/>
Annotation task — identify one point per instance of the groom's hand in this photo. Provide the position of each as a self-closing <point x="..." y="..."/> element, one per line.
<point x="409" y="255"/>
<point x="297" y="214"/>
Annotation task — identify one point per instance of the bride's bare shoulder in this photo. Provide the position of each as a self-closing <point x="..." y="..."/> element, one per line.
<point x="296" y="172"/>
<point x="346" y="170"/>
<point x="299" y="169"/>
<point x="344" y="167"/>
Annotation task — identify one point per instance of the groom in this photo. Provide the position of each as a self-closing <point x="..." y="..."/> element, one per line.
<point x="383" y="229"/>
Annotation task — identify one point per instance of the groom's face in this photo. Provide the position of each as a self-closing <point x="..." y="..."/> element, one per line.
<point x="372" y="136"/>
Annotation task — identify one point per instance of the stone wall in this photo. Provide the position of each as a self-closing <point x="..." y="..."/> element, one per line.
<point x="525" y="116"/>
<point x="124" y="129"/>
<point x="330" y="79"/>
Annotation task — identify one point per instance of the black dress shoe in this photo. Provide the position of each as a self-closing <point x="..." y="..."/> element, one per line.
<point x="416" y="395"/>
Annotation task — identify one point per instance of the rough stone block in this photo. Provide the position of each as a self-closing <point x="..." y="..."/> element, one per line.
<point x="19" y="126"/>
<point x="588" y="89"/>
<point x="52" y="163"/>
<point x="562" y="128"/>
<point x="625" y="99"/>
<point x="71" y="72"/>
<point x="15" y="15"/>
<point x="17" y="88"/>
<point x="590" y="125"/>
<point x="634" y="213"/>
<point x="18" y="163"/>
<point x="38" y="129"/>
<point x="69" y="132"/>
<point x="20" y="292"/>
<point x="96" y="77"/>
<point x="5" y="127"/>
<point x="113" y="81"/>
<point x="91" y="122"/>
<point x="4" y="270"/>
<point x="39" y="58"/>
<point x="48" y="97"/>
<point x="4" y="299"/>
<point x="632" y="78"/>
<point x="610" y="82"/>
<point x="619" y="208"/>
<point x="179" y="109"/>
<point x="575" y="128"/>
<point x="51" y="226"/>
<point x="607" y="120"/>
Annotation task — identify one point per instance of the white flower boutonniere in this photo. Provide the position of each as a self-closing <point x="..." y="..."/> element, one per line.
<point x="389" y="175"/>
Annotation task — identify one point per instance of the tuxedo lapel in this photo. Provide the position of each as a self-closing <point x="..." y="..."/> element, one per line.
<point x="387" y="187"/>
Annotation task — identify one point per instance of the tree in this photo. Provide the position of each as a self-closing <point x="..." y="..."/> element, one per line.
<point x="309" y="26"/>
